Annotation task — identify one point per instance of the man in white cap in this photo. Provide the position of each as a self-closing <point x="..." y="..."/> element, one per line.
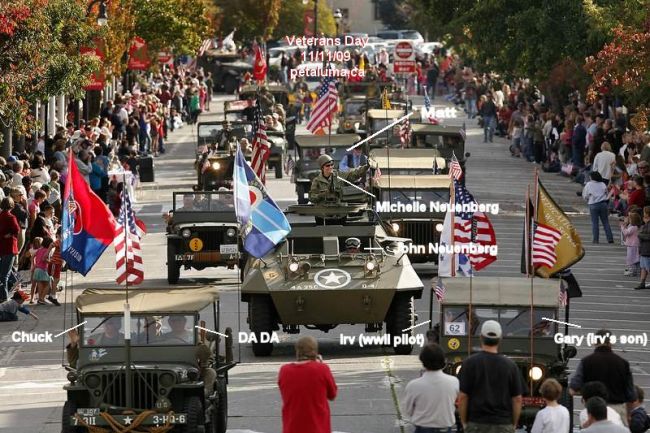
<point x="491" y="387"/>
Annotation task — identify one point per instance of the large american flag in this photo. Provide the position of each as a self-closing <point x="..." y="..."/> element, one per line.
<point x="440" y="290"/>
<point x="326" y="105"/>
<point x="261" y="146"/>
<point x="545" y="239"/>
<point x="455" y="170"/>
<point x="128" y="256"/>
<point x="473" y="227"/>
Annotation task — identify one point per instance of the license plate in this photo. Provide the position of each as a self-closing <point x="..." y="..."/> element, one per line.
<point x="533" y="401"/>
<point x="228" y="249"/>
<point x="88" y="411"/>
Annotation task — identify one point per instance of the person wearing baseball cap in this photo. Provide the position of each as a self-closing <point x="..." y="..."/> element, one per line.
<point x="491" y="387"/>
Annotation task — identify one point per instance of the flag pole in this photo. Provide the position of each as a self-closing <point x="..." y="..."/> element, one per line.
<point x="127" y="310"/>
<point x="471" y="288"/>
<point x="532" y="279"/>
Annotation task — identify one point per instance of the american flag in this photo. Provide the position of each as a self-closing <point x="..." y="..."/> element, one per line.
<point x="326" y="105"/>
<point x="289" y="165"/>
<point x="405" y="133"/>
<point x="261" y="146"/>
<point x="545" y="239"/>
<point x="455" y="170"/>
<point x="440" y="290"/>
<point x="205" y="45"/>
<point x="427" y="101"/>
<point x="473" y="227"/>
<point x="563" y="296"/>
<point x="128" y="257"/>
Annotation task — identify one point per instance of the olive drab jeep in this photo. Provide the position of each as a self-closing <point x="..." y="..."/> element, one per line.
<point x="376" y="119"/>
<point x="448" y="141"/>
<point x="177" y="376"/>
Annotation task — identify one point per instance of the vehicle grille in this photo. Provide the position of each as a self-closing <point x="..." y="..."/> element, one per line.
<point x="422" y="232"/>
<point x="212" y="239"/>
<point x="144" y="390"/>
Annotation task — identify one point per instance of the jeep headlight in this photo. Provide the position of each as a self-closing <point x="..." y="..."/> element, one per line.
<point x="186" y="233"/>
<point x="193" y="374"/>
<point x="216" y="166"/>
<point x="294" y="266"/>
<point x="456" y="368"/>
<point x="167" y="380"/>
<point x="535" y="373"/>
<point x="395" y="227"/>
<point x="231" y="232"/>
<point x="371" y="265"/>
<point x="92" y="381"/>
<point x="298" y="269"/>
<point x="347" y="125"/>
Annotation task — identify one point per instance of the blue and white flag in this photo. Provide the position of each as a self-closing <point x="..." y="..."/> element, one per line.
<point x="263" y="224"/>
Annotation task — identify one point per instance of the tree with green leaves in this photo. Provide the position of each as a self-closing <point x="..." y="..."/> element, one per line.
<point x="252" y="18"/>
<point x="292" y="19"/>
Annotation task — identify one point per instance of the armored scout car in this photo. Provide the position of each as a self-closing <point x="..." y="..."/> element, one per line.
<point x="314" y="279"/>
<point x="175" y="377"/>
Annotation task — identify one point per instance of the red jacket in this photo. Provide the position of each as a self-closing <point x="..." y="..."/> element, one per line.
<point x="8" y="226"/>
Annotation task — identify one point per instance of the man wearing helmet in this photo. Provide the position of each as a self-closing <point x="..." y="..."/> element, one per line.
<point x="327" y="187"/>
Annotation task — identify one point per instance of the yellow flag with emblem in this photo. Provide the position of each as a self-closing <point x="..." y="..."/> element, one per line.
<point x="569" y="250"/>
<point x="362" y="63"/>
<point x="385" y="102"/>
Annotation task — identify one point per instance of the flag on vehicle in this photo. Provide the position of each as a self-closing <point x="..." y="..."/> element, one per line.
<point x="473" y="227"/>
<point x="261" y="146"/>
<point x="405" y="132"/>
<point x="229" y="41"/>
<point x="440" y="290"/>
<point x="205" y="45"/>
<point x="259" y="65"/>
<point x="569" y="249"/>
<point x="326" y="106"/>
<point x="128" y="254"/>
<point x="545" y="239"/>
<point x="427" y="101"/>
<point x="455" y="170"/>
<point x="563" y="296"/>
<point x="385" y="102"/>
<point x="289" y="165"/>
<point x="263" y="224"/>
<point x="88" y="225"/>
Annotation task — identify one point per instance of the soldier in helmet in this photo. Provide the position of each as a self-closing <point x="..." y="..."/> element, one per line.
<point x="327" y="187"/>
<point x="224" y="136"/>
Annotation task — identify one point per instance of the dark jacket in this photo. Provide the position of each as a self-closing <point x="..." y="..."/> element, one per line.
<point x="579" y="138"/>
<point x="644" y="240"/>
<point x="639" y="422"/>
<point x="605" y="366"/>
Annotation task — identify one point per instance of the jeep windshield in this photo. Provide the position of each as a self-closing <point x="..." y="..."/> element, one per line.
<point x="425" y="196"/>
<point x="354" y="108"/>
<point x="160" y="330"/>
<point x="213" y="133"/>
<point x="221" y="201"/>
<point x="515" y="321"/>
<point x="312" y="153"/>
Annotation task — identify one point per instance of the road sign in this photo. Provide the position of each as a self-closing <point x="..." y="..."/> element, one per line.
<point x="404" y="58"/>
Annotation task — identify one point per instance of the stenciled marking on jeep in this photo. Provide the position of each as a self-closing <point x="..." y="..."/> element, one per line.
<point x="453" y="343"/>
<point x="331" y="278"/>
<point x="97" y="354"/>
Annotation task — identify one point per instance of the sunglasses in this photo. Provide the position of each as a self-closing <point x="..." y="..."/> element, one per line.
<point x="329" y="165"/>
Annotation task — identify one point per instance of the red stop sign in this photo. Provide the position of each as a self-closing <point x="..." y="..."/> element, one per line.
<point x="404" y="50"/>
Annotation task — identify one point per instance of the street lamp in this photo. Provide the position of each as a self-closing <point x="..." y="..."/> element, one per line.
<point x="102" y="17"/>
<point x="338" y="16"/>
<point x="305" y="2"/>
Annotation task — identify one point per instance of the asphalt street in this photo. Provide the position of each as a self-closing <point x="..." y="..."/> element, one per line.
<point x="31" y="376"/>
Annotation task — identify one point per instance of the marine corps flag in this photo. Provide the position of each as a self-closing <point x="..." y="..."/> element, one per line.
<point x="569" y="249"/>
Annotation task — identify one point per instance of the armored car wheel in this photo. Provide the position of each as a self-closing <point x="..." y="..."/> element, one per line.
<point x="400" y="317"/>
<point x="261" y="321"/>
<point x="173" y="268"/>
<point x="69" y="409"/>
<point x="195" y="415"/>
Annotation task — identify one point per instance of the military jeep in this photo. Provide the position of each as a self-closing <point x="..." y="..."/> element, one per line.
<point x="508" y="301"/>
<point x="376" y="119"/>
<point x="411" y="206"/>
<point x="448" y="141"/>
<point x="314" y="280"/>
<point x="165" y="375"/>
<point x="351" y="117"/>
<point x="202" y="232"/>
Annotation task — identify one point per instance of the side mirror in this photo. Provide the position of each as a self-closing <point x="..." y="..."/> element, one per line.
<point x="569" y="352"/>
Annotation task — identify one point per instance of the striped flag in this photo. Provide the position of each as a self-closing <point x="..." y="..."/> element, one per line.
<point x="205" y="45"/>
<point x="427" y="101"/>
<point x="545" y="239"/>
<point x="128" y="257"/>
<point x="405" y="132"/>
<point x="289" y="165"/>
<point x="326" y="105"/>
<point x="440" y="290"/>
<point x="455" y="170"/>
<point x="261" y="146"/>
<point x="473" y="227"/>
<point x="563" y="296"/>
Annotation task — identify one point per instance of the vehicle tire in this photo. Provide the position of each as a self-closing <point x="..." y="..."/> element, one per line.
<point x="278" y="169"/>
<point x="221" y="414"/>
<point x="173" y="268"/>
<point x="230" y="85"/>
<point x="566" y="400"/>
<point x="69" y="409"/>
<point x="195" y="414"/>
<point x="401" y="317"/>
<point x="300" y="191"/>
<point x="261" y="320"/>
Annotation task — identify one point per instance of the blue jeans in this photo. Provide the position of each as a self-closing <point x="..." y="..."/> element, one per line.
<point x="6" y="263"/>
<point x="600" y="211"/>
<point x="488" y="128"/>
<point x="578" y="155"/>
<point x="470" y="107"/>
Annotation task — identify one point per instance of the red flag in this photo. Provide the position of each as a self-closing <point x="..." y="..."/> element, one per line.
<point x="259" y="68"/>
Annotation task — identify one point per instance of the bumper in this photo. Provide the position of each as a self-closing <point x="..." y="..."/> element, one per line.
<point x="206" y="258"/>
<point x="126" y="420"/>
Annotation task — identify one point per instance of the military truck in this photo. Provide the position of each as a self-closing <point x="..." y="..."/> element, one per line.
<point x="307" y="150"/>
<point x="449" y="141"/>
<point x="215" y="153"/>
<point x="170" y="379"/>
<point x="508" y="301"/>
<point x="202" y="232"/>
<point x="376" y="119"/>
<point x="352" y="114"/>
<point x="227" y="69"/>
<point x="312" y="280"/>
<point x="410" y="205"/>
